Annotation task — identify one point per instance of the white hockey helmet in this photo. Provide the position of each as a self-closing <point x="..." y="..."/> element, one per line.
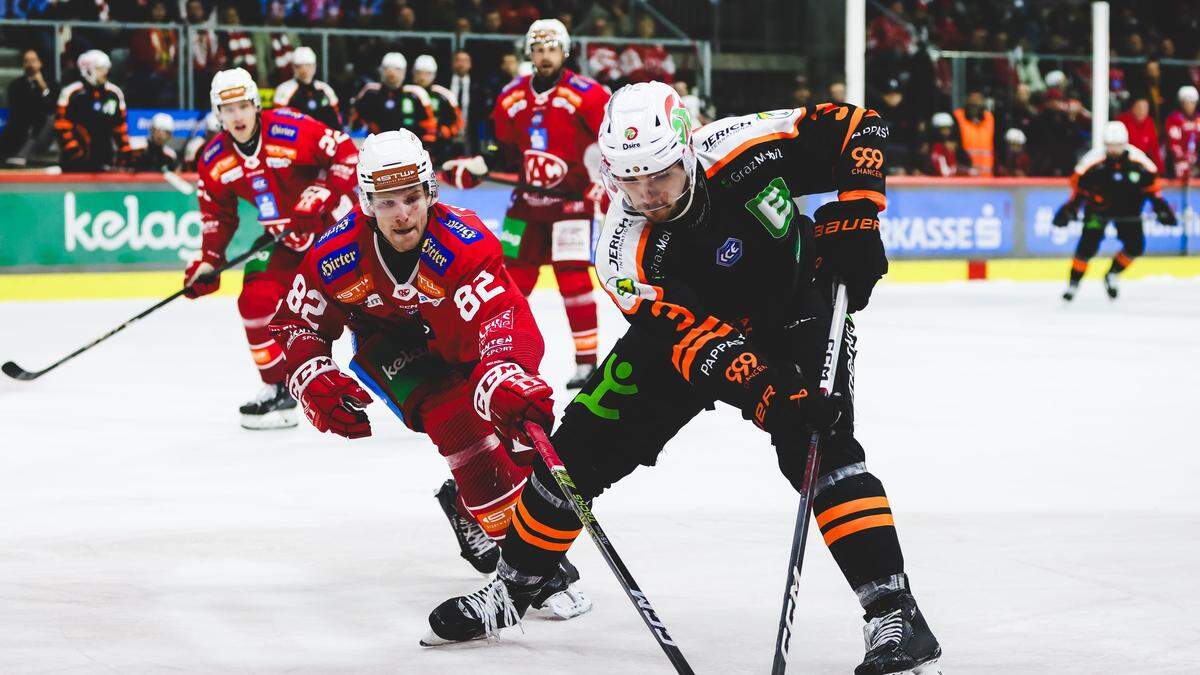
<point x="549" y="31"/>
<point x="645" y="134"/>
<point x="394" y="60"/>
<point x="425" y="64"/>
<point x="91" y="61"/>
<point x="942" y="120"/>
<point x="162" y="122"/>
<point x="393" y="160"/>
<point x="1188" y="94"/>
<point x="231" y="86"/>
<point x="304" y="56"/>
<point x="1115" y="135"/>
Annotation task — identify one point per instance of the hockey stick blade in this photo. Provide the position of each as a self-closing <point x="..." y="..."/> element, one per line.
<point x="17" y="372"/>
<point x="584" y="512"/>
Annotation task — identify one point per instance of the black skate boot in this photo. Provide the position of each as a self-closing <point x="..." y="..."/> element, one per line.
<point x="273" y="408"/>
<point x="1110" y="285"/>
<point x="898" y="640"/>
<point x="1072" y="289"/>
<point x="582" y="372"/>
<point x="500" y="604"/>
<point x="474" y="545"/>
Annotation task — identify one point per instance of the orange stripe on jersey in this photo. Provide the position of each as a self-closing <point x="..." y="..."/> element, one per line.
<point x="875" y="197"/>
<point x="854" y="120"/>
<point x="846" y="508"/>
<point x="641" y="251"/>
<point x="690" y="357"/>
<point x="720" y="164"/>
<point x="858" y="525"/>
<point x="677" y="353"/>
<point x="1079" y="265"/>
<point x="1153" y="188"/>
<point x="542" y="528"/>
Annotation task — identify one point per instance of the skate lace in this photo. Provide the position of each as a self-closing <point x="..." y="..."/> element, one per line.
<point x="476" y="539"/>
<point x="494" y="608"/>
<point x="882" y="630"/>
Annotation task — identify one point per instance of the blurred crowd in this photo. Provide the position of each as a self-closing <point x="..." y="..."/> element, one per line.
<point x="1022" y="113"/>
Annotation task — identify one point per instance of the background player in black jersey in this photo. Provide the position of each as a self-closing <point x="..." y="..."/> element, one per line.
<point x="726" y="288"/>
<point x="1112" y="184"/>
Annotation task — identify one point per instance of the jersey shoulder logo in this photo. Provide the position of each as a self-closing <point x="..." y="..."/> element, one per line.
<point x="342" y="225"/>
<point x="286" y="132"/>
<point x="288" y="112"/>
<point x="579" y="82"/>
<point x="214" y="148"/>
<point x="338" y="263"/>
<point x="436" y="255"/>
<point x="773" y="207"/>
<point x="730" y="252"/>
<point x="465" y="233"/>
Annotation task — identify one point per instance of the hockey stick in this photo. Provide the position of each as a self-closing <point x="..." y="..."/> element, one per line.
<point x="584" y="513"/>
<point x="791" y="592"/>
<point x="178" y="182"/>
<point x="18" y="373"/>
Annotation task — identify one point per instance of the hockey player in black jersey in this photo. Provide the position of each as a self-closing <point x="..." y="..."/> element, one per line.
<point x="1112" y="184"/>
<point x="726" y="289"/>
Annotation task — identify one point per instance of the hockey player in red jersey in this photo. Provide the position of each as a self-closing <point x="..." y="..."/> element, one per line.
<point x="296" y="172"/>
<point x="441" y="334"/>
<point x="546" y="123"/>
<point x="1183" y="133"/>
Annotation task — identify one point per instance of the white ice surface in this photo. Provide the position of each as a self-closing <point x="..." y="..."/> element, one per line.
<point x="1042" y="462"/>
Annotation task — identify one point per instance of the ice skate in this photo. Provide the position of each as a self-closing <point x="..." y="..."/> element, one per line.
<point x="272" y="408"/>
<point x="474" y="545"/>
<point x="899" y="641"/>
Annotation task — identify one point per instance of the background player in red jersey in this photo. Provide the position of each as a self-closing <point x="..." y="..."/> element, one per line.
<point x="441" y="334"/>
<point x="1183" y="132"/>
<point x="296" y="172"/>
<point x="547" y="123"/>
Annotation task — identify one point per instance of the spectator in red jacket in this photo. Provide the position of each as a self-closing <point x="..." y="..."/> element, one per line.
<point x="1183" y="133"/>
<point x="1142" y="133"/>
<point x="946" y="156"/>
<point x="1014" y="161"/>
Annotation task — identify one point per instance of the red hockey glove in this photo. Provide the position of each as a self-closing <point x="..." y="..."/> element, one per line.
<point x="201" y="277"/>
<point x="508" y="397"/>
<point x="332" y="400"/>
<point x="464" y="173"/>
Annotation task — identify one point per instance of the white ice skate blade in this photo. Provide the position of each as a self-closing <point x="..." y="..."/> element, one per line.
<point x="431" y="639"/>
<point x="276" y="419"/>
<point x="566" y="604"/>
<point x="927" y="668"/>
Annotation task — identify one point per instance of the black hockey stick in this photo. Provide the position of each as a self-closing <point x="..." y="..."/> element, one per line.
<point x="791" y="592"/>
<point x="584" y="513"/>
<point x="18" y="373"/>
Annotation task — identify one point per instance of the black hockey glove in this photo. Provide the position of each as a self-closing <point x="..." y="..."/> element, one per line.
<point x="1162" y="211"/>
<point x="1064" y="215"/>
<point x="788" y="411"/>
<point x="848" y="246"/>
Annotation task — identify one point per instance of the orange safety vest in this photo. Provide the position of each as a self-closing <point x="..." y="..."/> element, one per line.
<point x="977" y="140"/>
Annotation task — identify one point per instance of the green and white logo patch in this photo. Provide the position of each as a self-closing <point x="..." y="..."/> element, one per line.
<point x="681" y="122"/>
<point x="774" y="208"/>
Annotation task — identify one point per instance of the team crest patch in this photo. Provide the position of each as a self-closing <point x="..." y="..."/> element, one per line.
<point x="465" y="233"/>
<point x="730" y="252"/>
<point x="426" y="286"/>
<point x="285" y="132"/>
<point x="339" y="263"/>
<point x="435" y="254"/>
<point x="341" y="226"/>
<point x="355" y="292"/>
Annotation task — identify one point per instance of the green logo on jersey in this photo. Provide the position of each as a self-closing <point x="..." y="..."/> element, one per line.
<point x="625" y="287"/>
<point x="681" y="122"/>
<point x="611" y="383"/>
<point x="774" y="208"/>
